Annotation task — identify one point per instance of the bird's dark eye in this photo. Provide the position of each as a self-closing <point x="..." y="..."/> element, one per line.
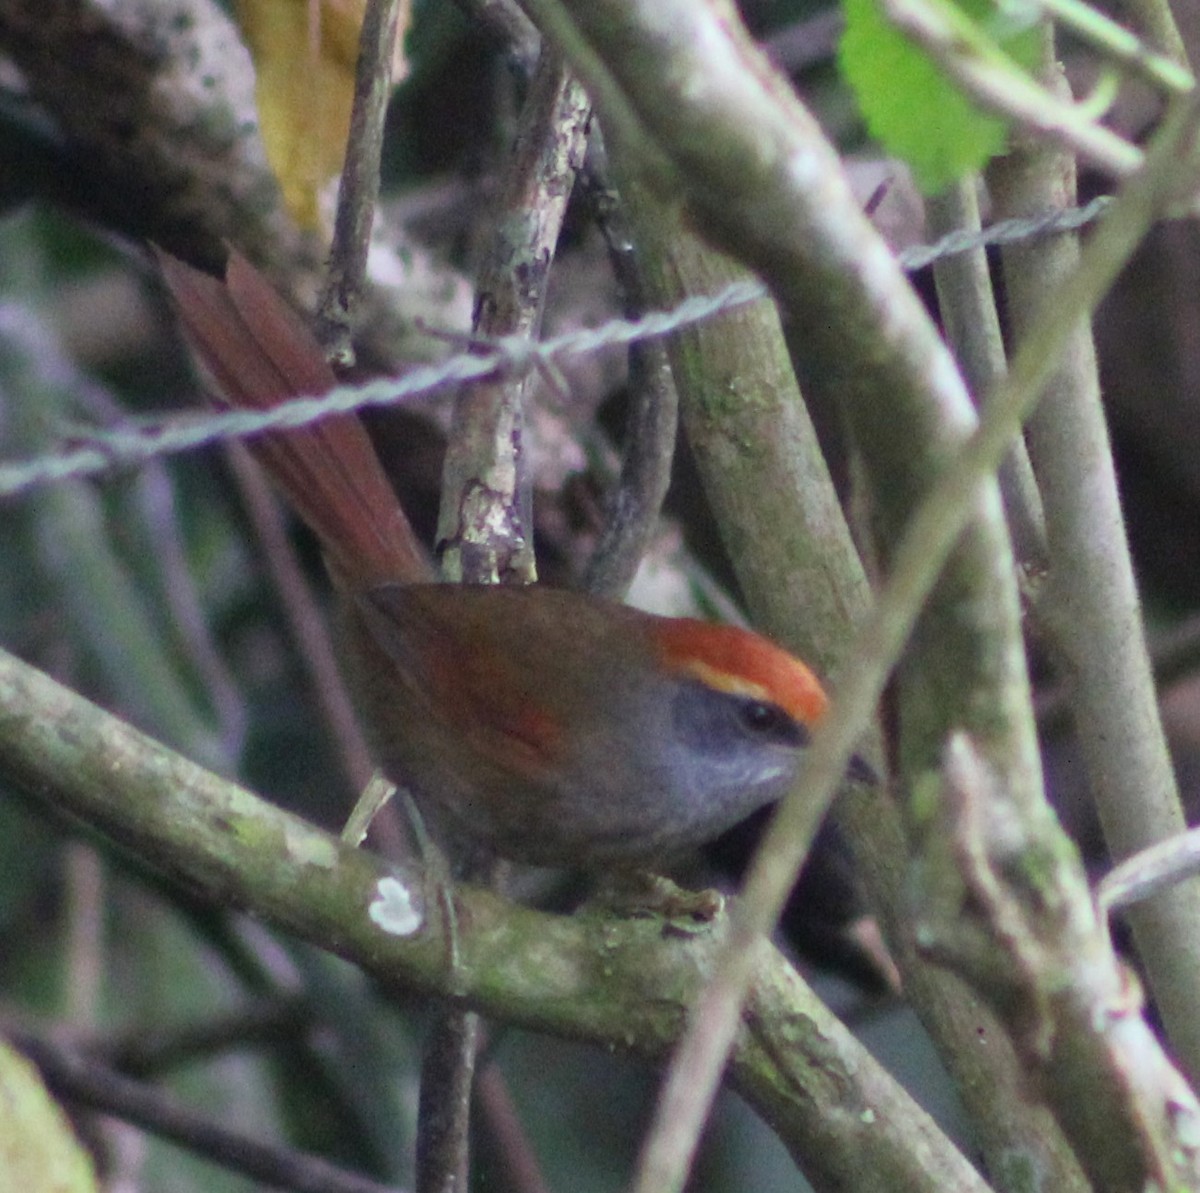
<point x="764" y="719"/>
<point x="715" y="722"/>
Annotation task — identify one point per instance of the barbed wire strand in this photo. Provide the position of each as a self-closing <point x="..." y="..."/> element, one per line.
<point x="110" y="451"/>
<point x="1005" y="232"/>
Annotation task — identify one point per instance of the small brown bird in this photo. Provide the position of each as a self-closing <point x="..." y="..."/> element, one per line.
<point x="554" y="727"/>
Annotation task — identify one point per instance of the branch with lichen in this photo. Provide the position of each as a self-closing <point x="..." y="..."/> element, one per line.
<point x="485" y="523"/>
<point x="623" y="984"/>
<point x="1004" y="901"/>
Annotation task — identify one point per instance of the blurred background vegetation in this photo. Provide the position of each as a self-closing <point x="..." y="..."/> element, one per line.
<point x="151" y="592"/>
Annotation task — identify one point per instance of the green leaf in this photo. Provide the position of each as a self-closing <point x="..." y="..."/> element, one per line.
<point x="910" y="105"/>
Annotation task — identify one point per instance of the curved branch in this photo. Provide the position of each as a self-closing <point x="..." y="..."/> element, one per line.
<point x="623" y="984"/>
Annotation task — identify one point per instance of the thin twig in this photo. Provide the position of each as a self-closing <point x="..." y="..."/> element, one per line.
<point x="147" y="1053"/>
<point x="1156" y="23"/>
<point x="157" y="501"/>
<point x="309" y="629"/>
<point x="522" y="1173"/>
<point x="967" y="305"/>
<point x="1117" y="43"/>
<point x="1151" y="870"/>
<point x="359" y="189"/>
<point x="991" y="79"/>
<point x="447" y="1080"/>
<point x="90" y="1082"/>
<point x="153" y="493"/>
<point x="311" y="637"/>
<point x="653" y="421"/>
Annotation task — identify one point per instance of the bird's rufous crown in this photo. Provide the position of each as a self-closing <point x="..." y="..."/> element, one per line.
<point x="736" y="661"/>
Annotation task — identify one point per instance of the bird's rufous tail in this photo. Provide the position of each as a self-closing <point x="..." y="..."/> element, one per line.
<point x="259" y="354"/>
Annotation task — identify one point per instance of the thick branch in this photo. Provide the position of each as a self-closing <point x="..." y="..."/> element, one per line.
<point x="621" y="984"/>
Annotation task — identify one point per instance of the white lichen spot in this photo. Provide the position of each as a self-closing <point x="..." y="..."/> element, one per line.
<point x="394" y="909"/>
<point x="867" y="1117"/>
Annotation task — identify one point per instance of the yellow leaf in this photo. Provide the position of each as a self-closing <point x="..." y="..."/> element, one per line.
<point x="304" y="53"/>
<point x="38" y="1151"/>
